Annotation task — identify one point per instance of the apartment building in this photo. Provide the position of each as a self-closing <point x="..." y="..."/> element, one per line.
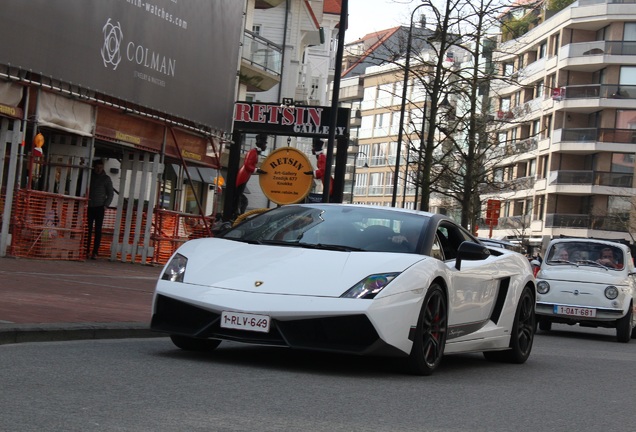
<point x="372" y="86"/>
<point x="567" y="126"/>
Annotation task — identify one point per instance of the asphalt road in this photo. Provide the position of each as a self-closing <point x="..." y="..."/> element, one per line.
<point x="572" y="382"/>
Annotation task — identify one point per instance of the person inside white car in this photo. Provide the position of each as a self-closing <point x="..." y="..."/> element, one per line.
<point x="562" y="255"/>
<point x="608" y="258"/>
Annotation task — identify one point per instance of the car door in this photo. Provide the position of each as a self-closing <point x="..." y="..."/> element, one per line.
<point x="473" y="288"/>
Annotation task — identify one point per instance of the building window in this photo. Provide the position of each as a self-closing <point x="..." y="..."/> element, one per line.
<point x="539" y="90"/>
<point x="628" y="75"/>
<point x="622" y="163"/>
<point x="532" y="167"/>
<point x="629" y="34"/>
<point x="542" y="50"/>
<point x="619" y="204"/>
<point x="508" y="69"/>
<point x="547" y="126"/>
<point x="538" y="211"/>
<point x="543" y="166"/>
<point x="498" y="174"/>
<point x="504" y="104"/>
<point x="625" y="119"/>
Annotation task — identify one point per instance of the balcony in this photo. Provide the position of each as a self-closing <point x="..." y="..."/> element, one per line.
<point x="376" y="190"/>
<point x="555" y="220"/>
<point x="595" y="55"/>
<point x="612" y="222"/>
<point x="593" y="140"/>
<point x="519" y="223"/>
<point x="507" y="186"/>
<point x="591" y="178"/>
<point x="260" y="63"/>
<point x="595" y="91"/>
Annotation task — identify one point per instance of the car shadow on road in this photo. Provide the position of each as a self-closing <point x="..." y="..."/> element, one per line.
<point x="335" y="364"/>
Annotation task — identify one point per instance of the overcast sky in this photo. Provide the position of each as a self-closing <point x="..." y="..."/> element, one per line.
<point x="368" y="16"/>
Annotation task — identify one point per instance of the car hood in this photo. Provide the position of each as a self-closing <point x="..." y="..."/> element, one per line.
<point x="282" y="269"/>
<point x="583" y="274"/>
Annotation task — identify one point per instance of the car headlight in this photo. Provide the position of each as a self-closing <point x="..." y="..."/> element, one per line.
<point x="611" y="292"/>
<point x="370" y="286"/>
<point x="175" y="270"/>
<point x="543" y="287"/>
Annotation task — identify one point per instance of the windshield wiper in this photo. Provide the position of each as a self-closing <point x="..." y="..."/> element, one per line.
<point x="560" y="261"/>
<point x="594" y="263"/>
<point x="242" y="240"/>
<point x="327" y="246"/>
<point x="278" y="242"/>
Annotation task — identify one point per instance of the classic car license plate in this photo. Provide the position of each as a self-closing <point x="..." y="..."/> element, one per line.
<point x="243" y="321"/>
<point x="575" y="311"/>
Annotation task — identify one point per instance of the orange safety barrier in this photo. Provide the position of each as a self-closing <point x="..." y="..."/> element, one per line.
<point x="172" y="229"/>
<point x="48" y="226"/>
<point x="108" y="231"/>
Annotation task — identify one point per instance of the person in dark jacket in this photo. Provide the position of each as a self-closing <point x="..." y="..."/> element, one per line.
<point x="99" y="197"/>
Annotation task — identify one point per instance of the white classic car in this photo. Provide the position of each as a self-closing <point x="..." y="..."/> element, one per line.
<point x="588" y="282"/>
<point x="352" y="279"/>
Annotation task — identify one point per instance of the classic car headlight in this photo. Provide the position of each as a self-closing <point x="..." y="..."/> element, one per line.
<point x="175" y="270"/>
<point x="370" y="286"/>
<point x="543" y="287"/>
<point x="611" y="292"/>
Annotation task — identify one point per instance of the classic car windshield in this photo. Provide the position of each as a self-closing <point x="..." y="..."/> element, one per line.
<point x="351" y="228"/>
<point x="600" y="255"/>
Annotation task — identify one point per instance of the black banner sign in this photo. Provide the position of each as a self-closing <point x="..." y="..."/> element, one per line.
<point x="178" y="57"/>
<point x="293" y="120"/>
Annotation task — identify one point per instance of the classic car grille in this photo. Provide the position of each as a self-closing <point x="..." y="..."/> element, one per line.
<point x="352" y="334"/>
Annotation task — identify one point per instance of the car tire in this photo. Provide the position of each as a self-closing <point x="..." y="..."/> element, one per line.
<point x="624" y="327"/>
<point x="430" y="334"/>
<point x="522" y="334"/>
<point x="194" y="344"/>
<point x="544" y="324"/>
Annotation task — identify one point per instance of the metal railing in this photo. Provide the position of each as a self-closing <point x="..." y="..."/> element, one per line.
<point x="626" y="136"/>
<point x="261" y="52"/>
<point x="611" y="222"/>
<point x="589" y="178"/>
<point x="607" y="91"/>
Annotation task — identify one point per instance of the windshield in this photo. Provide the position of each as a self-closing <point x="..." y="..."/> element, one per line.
<point x="334" y="227"/>
<point x="586" y="253"/>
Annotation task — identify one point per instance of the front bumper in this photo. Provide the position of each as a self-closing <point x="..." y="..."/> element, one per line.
<point x="546" y="311"/>
<point x="380" y="326"/>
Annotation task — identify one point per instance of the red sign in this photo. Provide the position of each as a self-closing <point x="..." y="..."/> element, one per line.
<point x="493" y="207"/>
<point x="558" y="93"/>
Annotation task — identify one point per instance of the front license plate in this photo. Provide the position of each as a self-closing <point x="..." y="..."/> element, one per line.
<point x="244" y="321"/>
<point x="575" y="311"/>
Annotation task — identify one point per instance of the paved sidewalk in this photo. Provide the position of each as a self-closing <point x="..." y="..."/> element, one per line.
<point x="42" y="300"/>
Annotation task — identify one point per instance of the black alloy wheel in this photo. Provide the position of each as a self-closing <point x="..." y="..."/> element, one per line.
<point x="522" y="334"/>
<point x="430" y="334"/>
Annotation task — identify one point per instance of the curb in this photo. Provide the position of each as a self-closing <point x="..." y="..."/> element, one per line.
<point x="19" y="333"/>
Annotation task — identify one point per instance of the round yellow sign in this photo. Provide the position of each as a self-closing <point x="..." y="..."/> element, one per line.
<point x="285" y="179"/>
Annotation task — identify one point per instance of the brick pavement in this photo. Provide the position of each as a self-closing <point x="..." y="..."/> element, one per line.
<point x="60" y="300"/>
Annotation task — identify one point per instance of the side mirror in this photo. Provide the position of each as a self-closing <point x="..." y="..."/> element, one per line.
<point x="472" y="252"/>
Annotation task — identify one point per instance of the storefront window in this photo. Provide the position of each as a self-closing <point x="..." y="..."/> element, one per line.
<point x="192" y="193"/>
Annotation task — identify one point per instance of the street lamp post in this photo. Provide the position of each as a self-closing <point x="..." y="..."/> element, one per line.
<point x="419" y="153"/>
<point x="403" y="106"/>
